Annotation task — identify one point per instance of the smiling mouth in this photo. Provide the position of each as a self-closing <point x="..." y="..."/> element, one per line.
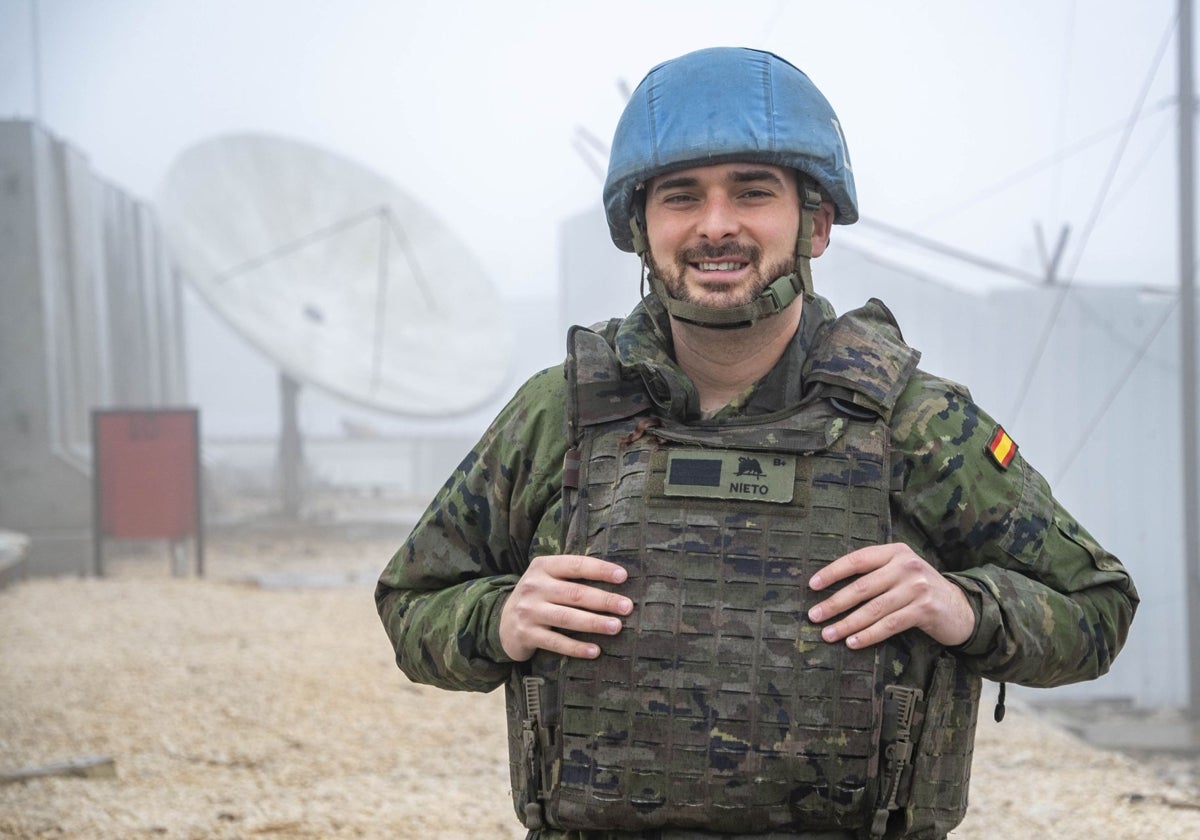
<point x="719" y="266"/>
<point x="721" y="259"/>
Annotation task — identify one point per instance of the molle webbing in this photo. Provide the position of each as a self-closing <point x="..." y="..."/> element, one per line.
<point x="718" y="705"/>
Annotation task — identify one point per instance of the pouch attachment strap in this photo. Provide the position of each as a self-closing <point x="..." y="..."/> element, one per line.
<point x="899" y="706"/>
<point x="532" y="733"/>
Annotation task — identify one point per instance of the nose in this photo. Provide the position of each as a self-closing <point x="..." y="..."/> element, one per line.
<point x="718" y="219"/>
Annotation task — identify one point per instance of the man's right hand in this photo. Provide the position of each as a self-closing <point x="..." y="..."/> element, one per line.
<point x="552" y="596"/>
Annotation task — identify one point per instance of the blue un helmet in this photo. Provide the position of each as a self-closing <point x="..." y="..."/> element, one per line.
<point x="725" y="105"/>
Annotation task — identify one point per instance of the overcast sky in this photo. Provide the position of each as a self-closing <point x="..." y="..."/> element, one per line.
<point x="475" y="107"/>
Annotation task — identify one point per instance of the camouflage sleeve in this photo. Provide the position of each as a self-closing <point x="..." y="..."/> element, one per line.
<point x="440" y="595"/>
<point x="1052" y="606"/>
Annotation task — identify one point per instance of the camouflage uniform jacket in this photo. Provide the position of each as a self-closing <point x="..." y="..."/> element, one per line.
<point x="1052" y="606"/>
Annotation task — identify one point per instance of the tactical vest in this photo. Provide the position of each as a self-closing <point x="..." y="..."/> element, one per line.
<point x="718" y="706"/>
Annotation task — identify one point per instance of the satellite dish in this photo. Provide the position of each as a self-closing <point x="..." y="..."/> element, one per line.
<point x="330" y="270"/>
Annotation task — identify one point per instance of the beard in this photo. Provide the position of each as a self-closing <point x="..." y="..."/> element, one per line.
<point x="673" y="276"/>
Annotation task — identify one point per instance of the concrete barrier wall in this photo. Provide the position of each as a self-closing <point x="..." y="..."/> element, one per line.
<point x="89" y="318"/>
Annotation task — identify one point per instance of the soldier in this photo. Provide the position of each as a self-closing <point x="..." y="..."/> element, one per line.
<point x="739" y="563"/>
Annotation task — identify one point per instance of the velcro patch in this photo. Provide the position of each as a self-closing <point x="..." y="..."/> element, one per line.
<point x="729" y="474"/>
<point x="1001" y="448"/>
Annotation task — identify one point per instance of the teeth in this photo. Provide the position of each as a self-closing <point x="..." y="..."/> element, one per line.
<point x="725" y="266"/>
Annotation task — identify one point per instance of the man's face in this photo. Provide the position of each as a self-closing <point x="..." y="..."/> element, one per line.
<point x="720" y="234"/>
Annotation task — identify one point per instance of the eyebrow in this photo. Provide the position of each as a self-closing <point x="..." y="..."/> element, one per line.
<point x="746" y="176"/>
<point x="737" y="176"/>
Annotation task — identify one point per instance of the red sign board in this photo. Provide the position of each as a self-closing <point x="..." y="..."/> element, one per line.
<point x="147" y="473"/>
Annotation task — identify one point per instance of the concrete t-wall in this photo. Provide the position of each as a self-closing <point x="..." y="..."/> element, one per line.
<point x="89" y="318"/>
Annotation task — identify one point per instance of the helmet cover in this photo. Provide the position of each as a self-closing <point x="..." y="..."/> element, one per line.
<point x="725" y="105"/>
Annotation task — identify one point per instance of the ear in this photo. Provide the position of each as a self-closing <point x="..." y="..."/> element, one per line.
<point x="822" y="227"/>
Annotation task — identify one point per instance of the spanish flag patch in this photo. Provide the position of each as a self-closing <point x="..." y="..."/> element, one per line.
<point x="1002" y="448"/>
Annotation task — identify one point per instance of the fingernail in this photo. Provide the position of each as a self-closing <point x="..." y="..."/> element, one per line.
<point x="829" y="634"/>
<point x="815" y="582"/>
<point x="619" y="576"/>
<point x="815" y="614"/>
<point x="852" y="642"/>
<point x="626" y="606"/>
<point x="613" y="625"/>
<point x="591" y="652"/>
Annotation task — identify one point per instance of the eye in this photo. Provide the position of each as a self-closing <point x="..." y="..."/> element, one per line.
<point x="756" y="192"/>
<point x="678" y="198"/>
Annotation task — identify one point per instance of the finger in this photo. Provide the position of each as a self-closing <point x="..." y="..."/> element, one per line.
<point x="860" y="590"/>
<point x="925" y="602"/>
<point x="582" y="567"/>
<point x="530" y="622"/>
<point x="559" y="617"/>
<point x="878" y="619"/>
<point x="892" y="624"/>
<point x="567" y="645"/>
<point x="857" y="562"/>
<point x="540" y="599"/>
<point x="548" y="633"/>
<point x="587" y="598"/>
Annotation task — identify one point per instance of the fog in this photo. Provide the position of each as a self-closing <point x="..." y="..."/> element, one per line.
<point x="967" y="123"/>
<point x="981" y="135"/>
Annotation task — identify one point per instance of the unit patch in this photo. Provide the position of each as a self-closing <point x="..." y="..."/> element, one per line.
<point x="1002" y="448"/>
<point x="729" y="474"/>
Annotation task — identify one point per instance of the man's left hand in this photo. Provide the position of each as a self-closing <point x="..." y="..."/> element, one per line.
<point x="894" y="590"/>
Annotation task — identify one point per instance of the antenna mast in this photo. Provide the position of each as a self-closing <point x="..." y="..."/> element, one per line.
<point x="1187" y="300"/>
<point x="35" y="37"/>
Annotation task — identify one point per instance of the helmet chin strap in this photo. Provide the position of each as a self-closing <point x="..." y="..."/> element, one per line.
<point x="776" y="297"/>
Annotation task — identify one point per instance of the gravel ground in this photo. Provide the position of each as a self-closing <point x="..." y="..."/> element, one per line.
<point x="238" y="706"/>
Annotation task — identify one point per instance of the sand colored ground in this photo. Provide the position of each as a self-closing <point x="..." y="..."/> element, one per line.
<point x="236" y="710"/>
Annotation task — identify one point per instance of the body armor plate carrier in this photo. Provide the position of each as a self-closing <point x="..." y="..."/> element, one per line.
<point x="718" y="706"/>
